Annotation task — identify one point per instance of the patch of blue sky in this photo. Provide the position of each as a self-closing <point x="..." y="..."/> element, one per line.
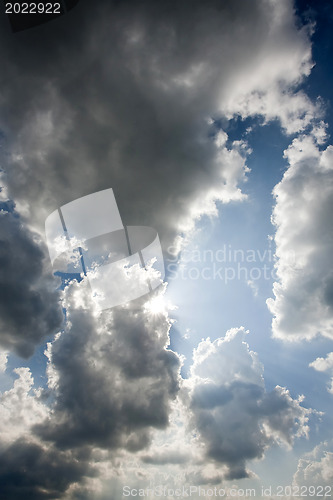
<point x="320" y="80"/>
<point x="210" y="306"/>
<point x="241" y="231"/>
<point x="37" y="365"/>
<point x="8" y="206"/>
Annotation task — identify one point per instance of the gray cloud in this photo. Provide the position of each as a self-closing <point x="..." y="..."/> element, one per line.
<point x="29" y="305"/>
<point x="111" y="382"/>
<point x="113" y="379"/>
<point x="236" y="418"/>
<point x="30" y="472"/>
<point x="124" y="93"/>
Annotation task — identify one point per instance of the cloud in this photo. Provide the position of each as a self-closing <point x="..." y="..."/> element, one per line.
<point x="325" y="365"/>
<point x="237" y="420"/>
<point x="303" y="303"/>
<point x="29" y="469"/>
<point x="129" y="95"/>
<point x="112" y="376"/>
<point x="3" y="361"/>
<point x="111" y="403"/>
<point x="29" y="305"/>
<point x="126" y="100"/>
<point x="165" y="458"/>
<point x="315" y="471"/>
<point x="30" y="472"/>
<point x="21" y="407"/>
<point x="111" y="382"/>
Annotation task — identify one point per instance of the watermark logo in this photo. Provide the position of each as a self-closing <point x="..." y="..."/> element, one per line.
<point x="189" y="491"/>
<point x="226" y="264"/>
<point x="86" y="237"/>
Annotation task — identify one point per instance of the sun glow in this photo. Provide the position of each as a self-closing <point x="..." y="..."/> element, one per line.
<point x="159" y="305"/>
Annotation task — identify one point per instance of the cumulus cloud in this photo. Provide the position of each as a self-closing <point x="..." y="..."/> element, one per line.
<point x="111" y="402"/>
<point x="112" y="376"/>
<point x="325" y="365"/>
<point x="30" y="469"/>
<point x="30" y="472"/>
<point x="125" y="102"/>
<point x="315" y="471"/>
<point x="29" y="305"/>
<point x="21" y="407"/>
<point x="236" y="418"/>
<point x="303" y="303"/>
<point x="111" y="381"/>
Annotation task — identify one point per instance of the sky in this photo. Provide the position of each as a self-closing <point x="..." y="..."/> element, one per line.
<point x="212" y="122"/>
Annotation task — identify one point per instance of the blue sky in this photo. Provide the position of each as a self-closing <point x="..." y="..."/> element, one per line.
<point x="210" y="307"/>
<point x="209" y="125"/>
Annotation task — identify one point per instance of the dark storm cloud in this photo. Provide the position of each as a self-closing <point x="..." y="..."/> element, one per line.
<point x="118" y="95"/>
<point x="29" y="305"/>
<point x="114" y="380"/>
<point x="30" y="472"/>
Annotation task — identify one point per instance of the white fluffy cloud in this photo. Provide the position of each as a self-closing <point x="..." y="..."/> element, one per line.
<point x="20" y="408"/>
<point x="325" y="365"/>
<point x="315" y="469"/>
<point x="303" y="303"/>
